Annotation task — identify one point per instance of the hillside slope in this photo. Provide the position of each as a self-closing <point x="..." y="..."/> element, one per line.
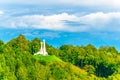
<point x="60" y="70"/>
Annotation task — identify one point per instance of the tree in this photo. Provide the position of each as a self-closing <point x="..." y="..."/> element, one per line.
<point x="22" y="73"/>
<point x="1" y="46"/>
<point x="34" y="45"/>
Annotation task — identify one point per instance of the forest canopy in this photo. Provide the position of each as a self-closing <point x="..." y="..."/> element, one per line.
<point x="17" y="61"/>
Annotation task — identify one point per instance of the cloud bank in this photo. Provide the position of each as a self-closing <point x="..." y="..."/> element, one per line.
<point x="50" y="22"/>
<point x="67" y="22"/>
<point x="102" y="21"/>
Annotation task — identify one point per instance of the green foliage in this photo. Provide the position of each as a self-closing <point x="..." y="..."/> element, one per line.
<point x="34" y="45"/>
<point x="90" y="69"/>
<point x="1" y="42"/>
<point x="68" y="62"/>
<point x="102" y="62"/>
<point x="1" y="46"/>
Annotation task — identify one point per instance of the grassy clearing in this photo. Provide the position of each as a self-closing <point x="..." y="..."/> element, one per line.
<point x="47" y="58"/>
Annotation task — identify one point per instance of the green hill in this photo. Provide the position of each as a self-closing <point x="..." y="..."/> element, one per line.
<point x="65" y="63"/>
<point x="47" y="58"/>
<point x="62" y="70"/>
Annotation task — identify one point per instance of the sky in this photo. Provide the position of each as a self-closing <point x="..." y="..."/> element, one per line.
<point x="59" y="22"/>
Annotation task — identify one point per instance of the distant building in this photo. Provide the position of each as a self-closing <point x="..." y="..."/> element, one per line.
<point x="42" y="49"/>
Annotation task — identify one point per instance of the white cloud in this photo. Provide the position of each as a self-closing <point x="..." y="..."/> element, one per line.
<point x="102" y="21"/>
<point x="65" y="22"/>
<point x="51" y="22"/>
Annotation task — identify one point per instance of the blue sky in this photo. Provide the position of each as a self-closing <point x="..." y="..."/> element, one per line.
<point x="62" y="21"/>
